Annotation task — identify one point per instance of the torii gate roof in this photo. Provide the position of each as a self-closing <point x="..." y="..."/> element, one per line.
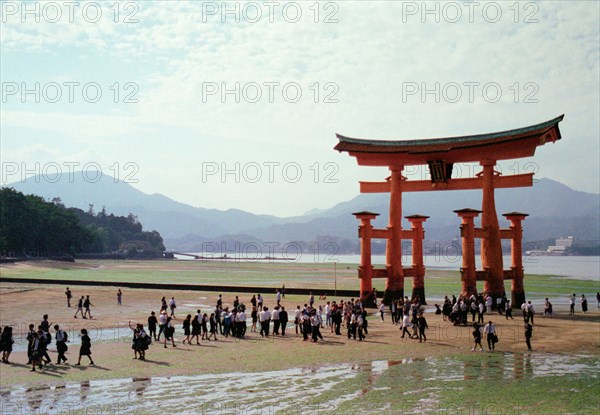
<point x="503" y="145"/>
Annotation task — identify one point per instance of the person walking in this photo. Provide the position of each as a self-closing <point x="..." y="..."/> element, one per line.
<point x="61" y="344"/>
<point x="172" y="306"/>
<point x="422" y="324"/>
<point x="69" y="296"/>
<point x="265" y="319"/>
<point x="583" y="301"/>
<point x="152" y="322"/>
<point x="476" y="337"/>
<point x="45" y="340"/>
<point x="186" y="328"/>
<point x="212" y="322"/>
<point x="119" y="297"/>
<point x="87" y="304"/>
<point x="508" y="312"/>
<point x="162" y="321"/>
<point x="360" y="326"/>
<point x="572" y="304"/>
<point x="530" y="312"/>
<point x="6" y="343"/>
<point x="406" y="324"/>
<point x="79" y="307"/>
<point x="36" y="358"/>
<point x="169" y="332"/>
<point x="490" y="332"/>
<point x="86" y="348"/>
<point x="259" y="302"/>
<point x="283" y="319"/>
<point x="528" y="334"/>
<point x="547" y="308"/>
<point x="381" y="310"/>
<point x="240" y="319"/>
<point x="196" y="327"/>
<point x="254" y="317"/>
<point x="30" y="339"/>
<point x="297" y="316"/>
<point x="275" y="318"/>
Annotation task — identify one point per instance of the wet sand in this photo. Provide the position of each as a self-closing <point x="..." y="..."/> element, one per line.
<point x="111" y="342"/>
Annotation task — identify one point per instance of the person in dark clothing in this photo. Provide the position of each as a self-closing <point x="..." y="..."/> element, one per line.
<point x="45" y="340"/>
<point x="283" y="320"/>
<point x="186" y="328"/>
<point x="528" y="334"/>
<point x="213" y="327"/>
<point x="30" y="339"/>
<point x="422" y="324"/>
<point x="45" y="324"/>
<point x="365" y="322"/>
<point x="476" y="337"/>
<point x="69" y="296"/>
<point x="36" y="358"/>
<point x="86" y="347"/>
<point x="336" y="317"/>
<point x="61" y="344"/>
<point x="6" y="343"/>
<point x="152" y="322"/>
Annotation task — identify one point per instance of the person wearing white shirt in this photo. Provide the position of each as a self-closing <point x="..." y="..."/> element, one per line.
<point x="265" y="320"/>
<point x="488" y="303"/>
<point x="297" y="316"/>
<point x="406" y="324"/>
<point x="275" y="318"/>
<point x="278" y="297"/>
<point x="352" y="326"/>
<point x="327" y="314"/>
<point x="172" y="306"/>
<point x="61" y="345"/>
<point x="530" y="313"/>
<point x="490" y="333"/>
<point x="162" y="321"/>
<point x="382" y="310"/>
<point x="481" y="313"/>
<point x="240" y="321"/>
<point x="316" y="322"/>
<point x="571" y="304"/>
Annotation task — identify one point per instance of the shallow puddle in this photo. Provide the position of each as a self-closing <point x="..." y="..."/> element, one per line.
<point x="319" y="390"/>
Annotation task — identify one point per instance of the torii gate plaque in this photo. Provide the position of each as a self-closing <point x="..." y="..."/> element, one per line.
<point x="440" y="154"/>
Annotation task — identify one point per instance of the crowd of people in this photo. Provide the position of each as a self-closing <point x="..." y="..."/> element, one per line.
<point x="38" y="341"/>
<point x="225" y="321"/>
<point x="309" y="319"/>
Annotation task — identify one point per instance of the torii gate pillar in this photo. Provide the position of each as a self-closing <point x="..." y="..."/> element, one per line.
<point x="394" y="287"/>
<point x="516" y="251"/>
<point x="491" y="245"/>
<point x="467" y="232"/>
<point x="417" y="256"/>
<point x="365" y="271"/>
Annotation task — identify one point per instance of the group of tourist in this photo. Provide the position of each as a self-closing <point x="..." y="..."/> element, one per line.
<point x="309" y="320"/>
<point x="83" y="304"/>
<point x="38" y="341"/>
<point x="227" y="321"/>
<point x="408" y="314"/>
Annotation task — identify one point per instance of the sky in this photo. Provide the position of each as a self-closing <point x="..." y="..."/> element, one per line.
<point x="236" y="105"/>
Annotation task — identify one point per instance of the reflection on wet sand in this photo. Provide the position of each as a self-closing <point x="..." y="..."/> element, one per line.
<point x="263" y="392"/>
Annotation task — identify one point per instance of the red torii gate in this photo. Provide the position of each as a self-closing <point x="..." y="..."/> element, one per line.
<point x="440" y="154"/>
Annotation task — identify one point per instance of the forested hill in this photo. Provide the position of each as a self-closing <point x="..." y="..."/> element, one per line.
<point x="29" y="225"/>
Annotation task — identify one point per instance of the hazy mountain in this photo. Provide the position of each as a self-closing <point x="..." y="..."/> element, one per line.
<point x="555" y="210"/>
<point x="156" y="212"/>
